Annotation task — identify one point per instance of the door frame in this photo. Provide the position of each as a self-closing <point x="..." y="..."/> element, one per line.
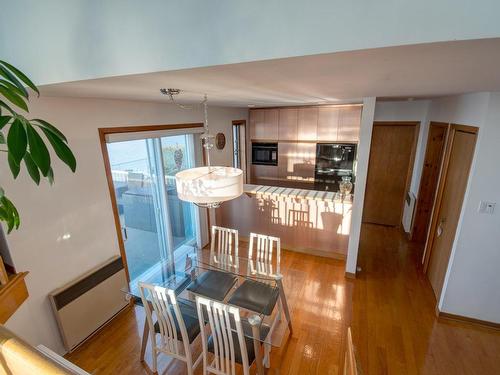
<point x="442" y="155"/>
<point x="107" y="168"/>
<point x="409" y="175"/>
<point x="436" y="209"/>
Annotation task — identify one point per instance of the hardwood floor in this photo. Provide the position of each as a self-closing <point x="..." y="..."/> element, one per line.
<point x="390" y="307"/>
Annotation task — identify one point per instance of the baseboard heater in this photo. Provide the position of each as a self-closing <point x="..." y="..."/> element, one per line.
<point x="86" y="304"/>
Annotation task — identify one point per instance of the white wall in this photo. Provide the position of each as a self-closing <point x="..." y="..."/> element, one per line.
<point x="63" y="40"/>
<point x="79" y="204"/>
<point x="365" y="137"/>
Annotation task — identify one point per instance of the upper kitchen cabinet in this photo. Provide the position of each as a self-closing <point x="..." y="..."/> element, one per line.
<point x="349" y="124"/>
<point x="307" y="126"/>
<point x="288" y="122"/>
<point x="328" y="124"/>
<point x="264" y="124"/>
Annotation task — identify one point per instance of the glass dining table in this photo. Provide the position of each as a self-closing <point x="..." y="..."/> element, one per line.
<point x="226" y="278"/>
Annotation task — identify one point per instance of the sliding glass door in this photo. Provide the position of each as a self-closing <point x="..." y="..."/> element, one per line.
<point x="156" y="225"/>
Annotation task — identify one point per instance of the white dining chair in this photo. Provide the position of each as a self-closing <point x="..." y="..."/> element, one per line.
<point x="224" y="247"/>
<point x="261" y="295"/>
<point x="261" y="259"/>
<point x="225" y="338"/>
<point x="177" y="330"/>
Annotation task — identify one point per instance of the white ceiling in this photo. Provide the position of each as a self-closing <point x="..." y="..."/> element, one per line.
<point x="426" y="70"/>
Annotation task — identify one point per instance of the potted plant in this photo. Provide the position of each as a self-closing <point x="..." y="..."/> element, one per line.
<point x="25" y="140"/>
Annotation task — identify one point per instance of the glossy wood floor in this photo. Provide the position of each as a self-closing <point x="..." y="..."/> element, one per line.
<point x="390" y="307"/>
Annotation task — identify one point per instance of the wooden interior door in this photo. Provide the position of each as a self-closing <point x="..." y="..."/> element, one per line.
<point x="389" y="171"/>
<point x="433" y="161"/>
<point x="451" y="190"/>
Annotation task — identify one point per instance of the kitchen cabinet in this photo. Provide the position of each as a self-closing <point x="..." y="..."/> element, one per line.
<point x="262" y="173"/>
<point x="264" y="124"/>
<point x="304" y="161"/>
<point x="349" y="124"/>
<point x="328" y="123"/>
<point x="287" y="126"/>
<point x="307" y="126"/>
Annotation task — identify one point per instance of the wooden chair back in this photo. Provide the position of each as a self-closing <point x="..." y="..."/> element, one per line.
<point x="163" y="304"/>
<point x="223" y="322"/>
<point x="261" y="258"/>
<point x="224" y="246"/>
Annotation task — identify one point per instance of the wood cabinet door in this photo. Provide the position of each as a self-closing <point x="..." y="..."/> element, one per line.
<point x="304" y="161"/>
<point x="328" y="124"/>
<point x="264" y="124"/>
<point x="287" y="152"/>
<point x="256" y="120"/>
<point x="349" y="124"/>
<point x="307" y="127"/>
<point x="287" y="127"/>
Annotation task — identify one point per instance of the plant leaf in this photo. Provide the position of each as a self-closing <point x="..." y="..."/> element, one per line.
<point x="38" y="150"/>
<point x="17" y="141"/>
<point x="50" y="176"/>
<point x="14" y="88"/>
<point x="62" y="151"/>
<point x="10" y="213"/>
<point x="2" y="139"/>
<point x="52" y="128"/>
<point x="5" y="73"/>
<point x="4" y="120"/>
<point x="32" y="168"/>
<point x="3" y="104"/>
<point x="14" y="167"/>
<point x="21" y="76"/>
<point x="13" y="98"/>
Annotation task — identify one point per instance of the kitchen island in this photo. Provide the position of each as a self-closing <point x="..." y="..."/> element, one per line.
<point x="309" y="221"/>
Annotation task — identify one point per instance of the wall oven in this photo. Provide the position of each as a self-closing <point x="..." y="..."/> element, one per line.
<point x="264" y="153"/>
<point x="333" y="161"/>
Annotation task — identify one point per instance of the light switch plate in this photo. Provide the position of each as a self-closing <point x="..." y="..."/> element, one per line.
<point x="487" y="207"/>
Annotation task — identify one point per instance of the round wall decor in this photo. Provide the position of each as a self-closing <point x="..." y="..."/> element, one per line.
<point x="220" y="141"/>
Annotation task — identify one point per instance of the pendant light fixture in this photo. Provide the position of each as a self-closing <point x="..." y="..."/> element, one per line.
<point x="209" y="186"/>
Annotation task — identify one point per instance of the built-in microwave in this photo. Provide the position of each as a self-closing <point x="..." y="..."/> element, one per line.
<point x="264" y="153"/>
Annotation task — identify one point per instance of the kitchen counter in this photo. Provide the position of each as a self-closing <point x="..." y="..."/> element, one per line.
<point x="309" y="221"/>
<point x="283" y="192"/>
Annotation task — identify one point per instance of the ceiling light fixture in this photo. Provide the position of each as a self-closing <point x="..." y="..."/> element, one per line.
<point x="208" y="186"/>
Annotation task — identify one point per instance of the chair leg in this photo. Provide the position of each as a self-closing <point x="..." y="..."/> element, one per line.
<point x="155" y="353"/>
<point x="280" y="307"/>
<point x="267" y="352"/>
<point x="155" y="362"/>
<point x="145" y="336"/>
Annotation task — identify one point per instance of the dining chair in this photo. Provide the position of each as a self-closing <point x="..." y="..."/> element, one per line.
<point x="214" y="283"/>
<point x="228" y="338"/>
<point x="224" y="247"/>
<point x="261" y="295"/>
<point x="177" y="328"/>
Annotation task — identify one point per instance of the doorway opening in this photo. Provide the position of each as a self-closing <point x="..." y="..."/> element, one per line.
<point x="433" y="160"/>
<point x="457" y="161"/>
<point x="153" y="225"/>
<point x="390" y="168"/>
<point x="239" y="142"/>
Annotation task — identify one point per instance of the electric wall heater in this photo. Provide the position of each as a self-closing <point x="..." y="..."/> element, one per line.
<point x="86" y="304"/>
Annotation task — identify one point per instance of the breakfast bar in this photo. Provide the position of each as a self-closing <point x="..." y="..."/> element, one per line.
<point x="308" y="221"/>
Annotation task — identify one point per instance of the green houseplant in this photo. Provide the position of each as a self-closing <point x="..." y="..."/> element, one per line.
<point x="21" y="138"/>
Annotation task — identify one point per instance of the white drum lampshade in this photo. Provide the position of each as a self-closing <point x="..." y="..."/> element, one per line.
<point x="209" y="186"/>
